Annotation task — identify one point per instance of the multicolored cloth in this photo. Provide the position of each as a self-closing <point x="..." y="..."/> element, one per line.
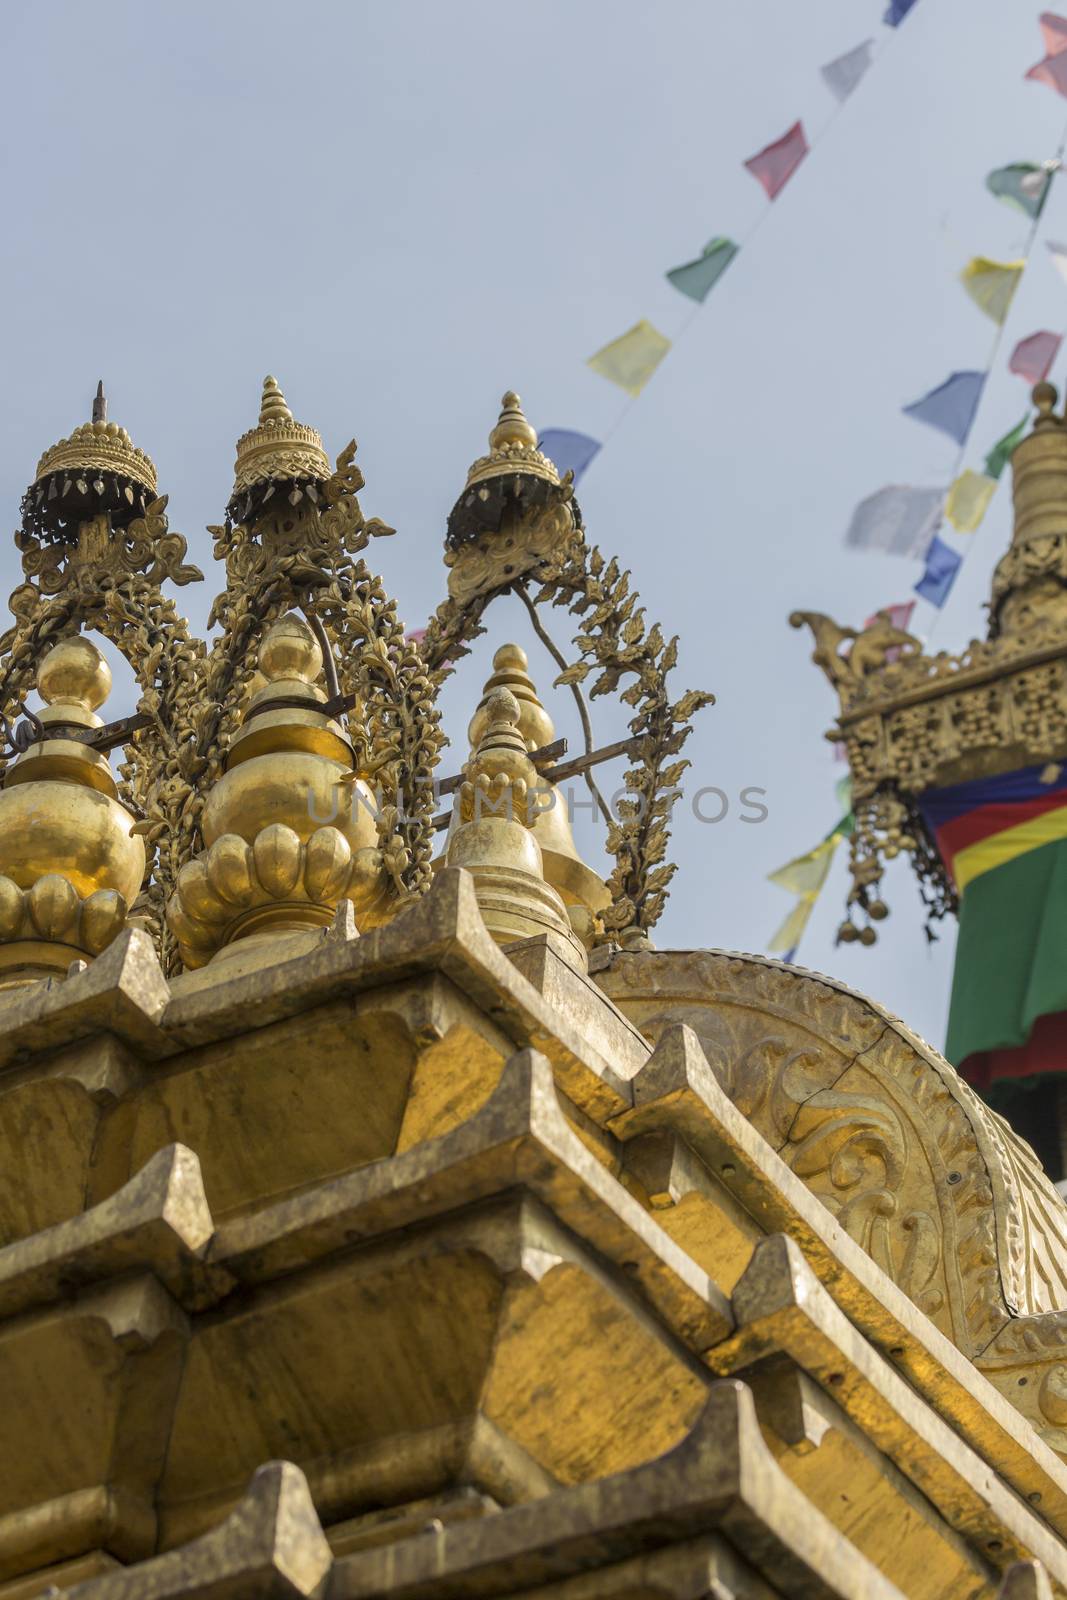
<point x="1003" y="840"/>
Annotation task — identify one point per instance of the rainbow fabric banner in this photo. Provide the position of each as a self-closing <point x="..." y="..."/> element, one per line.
<point x="1003" y="840"/>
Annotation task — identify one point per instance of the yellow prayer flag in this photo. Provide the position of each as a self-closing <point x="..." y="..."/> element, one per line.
<point x="804" y="876"/>
<point x="807" y="873"/>
<point x="788" y="935"/>
<point x="631" y="359"/>
<point x="991" y="284"/>
<point x="968" y="500"/>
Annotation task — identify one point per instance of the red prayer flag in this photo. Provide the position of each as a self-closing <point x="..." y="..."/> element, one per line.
<point x="899" y="615"/>
<point x="1054" y="32"/>
<point x="774" y="166"/>
<point x="1032" y="358"/>
<point x="1053" y="71"/>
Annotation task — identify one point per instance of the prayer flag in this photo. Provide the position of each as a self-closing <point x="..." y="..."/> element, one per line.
<point x="1053" y="69"/>
<point x="775" y="165"/>
<point x="899" y="615"/>
<point x="1058" y="252"/>
<point x="1021" y="184"/>
<point x="631" y="359"/>
<point x="1054" y="32"/>
<point x="968" y="500"/>
<point x="991" y="284"/>
<point x="570" y="452"/>
<point x="896" y="11"/>
<point x="898" y="519"/>
<point x="1000" y="455"/>
<point x="805" y="877"/>
<point x="942" y="565"/>
<point x="842" y="76"/>
<point x="951" y="406"/>
<point x="1032" y="357"/>
<point x="843" y="786"/>
<point x="698" y="278"/>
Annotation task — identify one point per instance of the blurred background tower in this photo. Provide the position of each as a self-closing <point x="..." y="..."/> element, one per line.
<point x="959" y="761"/>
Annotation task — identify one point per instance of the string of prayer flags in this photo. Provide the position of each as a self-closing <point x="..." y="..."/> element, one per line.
<point x="1001" y="453"/>
<point x="968" y="500"/>
<point x="1053" y="69"/>
<point x="844" y="74"/>
<point x="1058" y="252"/>
<point x="698" y="278"/>
<point x="804" y="877"/>
<point x="951" y="406"/>
<point x="569" y="451"/>
<point x="632" y="358"/>
<point x="898" y="519"/>
<point x="1032" y="357"/>
<point x="773" y="166"/>
<point x="1022" y="184"/>
<point x="942" y="565"/>
<point x="896" y="11"/>
<point x="991" y="284"/>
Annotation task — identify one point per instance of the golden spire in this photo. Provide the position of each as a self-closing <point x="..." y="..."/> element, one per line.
<point x="97" y="469"/>
<point x="1031" y="577"/>
<point x="583" y="892"/>
<point x="512" y="448"/>
<point x="495" y="842"/>
<point x="273" y="407"/>
<point x="289" y="829"/>
<point x="276" y="451"/>
<point x="70" y="864"/>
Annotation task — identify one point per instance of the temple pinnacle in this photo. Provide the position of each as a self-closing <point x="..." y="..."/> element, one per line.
<point x="273" y="407"/>
<point x="100" y="403"/>
<point x="512" y="426"/>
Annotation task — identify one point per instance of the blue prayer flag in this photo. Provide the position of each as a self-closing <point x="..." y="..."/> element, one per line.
<point x="951" y="406"/>
<point x="568" y="451"/>
<point x="896" y="11"/>
<point x="942" y="565"/>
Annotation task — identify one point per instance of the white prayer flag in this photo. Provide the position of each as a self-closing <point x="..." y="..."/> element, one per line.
<point x="898" y="519"/>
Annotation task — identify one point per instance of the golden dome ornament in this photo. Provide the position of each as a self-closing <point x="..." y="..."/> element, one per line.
<point x="98" y="469"/>
<point x="70" y="863"/>
<point x="278" y="455"/>
<point x="494" y="838"/>
<point x="583" y="891"/>
<point x="289" y="828"/>
<point x="515" y="512"/>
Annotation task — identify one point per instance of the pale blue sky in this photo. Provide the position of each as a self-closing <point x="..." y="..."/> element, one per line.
<point x="401" y="210"/>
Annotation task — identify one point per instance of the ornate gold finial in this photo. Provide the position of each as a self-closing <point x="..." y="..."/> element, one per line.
<point x="1031" y="577"/>
<point x="495" y="842"/>
<point x="273" y="407"/>
<point x="512" y="449"/>
<point x="289" y="828"/>
<point x="512" y="427"/>
<point x="97" y="469"/>
<point x="514" y="514"/>
<point x="70" y="864"/>
<point x="510" y="671"/>
<point x="583" y="892"/>
<point x="276" y="451"/>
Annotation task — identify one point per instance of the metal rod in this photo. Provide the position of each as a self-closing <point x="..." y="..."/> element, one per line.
<point x="540" y="759"/>
<point x="579" y="698"/>
<point x="329" y="665"/>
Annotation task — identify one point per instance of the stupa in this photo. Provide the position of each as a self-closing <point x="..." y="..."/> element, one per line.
<point x="382" y="1213"/>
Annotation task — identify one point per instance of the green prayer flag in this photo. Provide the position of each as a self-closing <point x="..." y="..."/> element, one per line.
<point x="698" y="278"/>
<point x="1023" y="184"/>
<point x="1000" y="455"/>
